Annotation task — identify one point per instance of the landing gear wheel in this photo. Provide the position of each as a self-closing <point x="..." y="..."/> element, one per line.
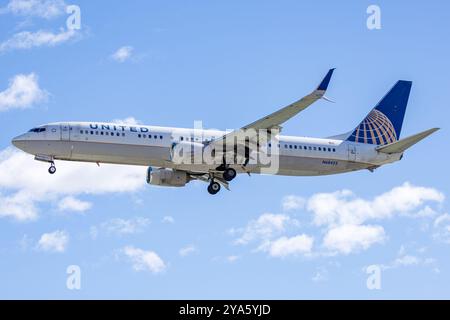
<point x="52" y="169"/>
<point x="229" y="174"/>
<point x="214" y="188"/>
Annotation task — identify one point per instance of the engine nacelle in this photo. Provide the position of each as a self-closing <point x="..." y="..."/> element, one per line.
<point x="167" y="177"/>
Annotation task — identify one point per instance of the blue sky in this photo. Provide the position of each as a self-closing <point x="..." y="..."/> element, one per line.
<point x="226" y="63"/>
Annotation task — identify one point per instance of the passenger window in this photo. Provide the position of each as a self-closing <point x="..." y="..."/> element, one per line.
<point x="320" y="149"/>
<point x="181" y="138"/>
<point x="161" y="137"/>
<point x="102" y="133"/>
<point x="81" y="131"/>
<point x="92" y="132"/>
<point x="290" y="146"/>
<point x="315" y="148"/>
<point x="334" y="150"/>
<point x="156" y="137"/>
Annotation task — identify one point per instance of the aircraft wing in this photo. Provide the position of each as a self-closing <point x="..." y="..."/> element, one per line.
<point x="272" y="123"/>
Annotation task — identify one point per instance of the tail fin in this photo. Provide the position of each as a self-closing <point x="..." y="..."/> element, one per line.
<point x="384" y="123"/>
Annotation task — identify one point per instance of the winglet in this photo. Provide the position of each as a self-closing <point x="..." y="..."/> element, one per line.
<point x="324" y="84"/>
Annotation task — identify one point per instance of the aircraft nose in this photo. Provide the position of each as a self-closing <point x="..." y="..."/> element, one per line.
<point x="18" y="142"/>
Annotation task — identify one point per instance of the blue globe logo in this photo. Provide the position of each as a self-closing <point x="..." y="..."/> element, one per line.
<point x="376" y="129"/>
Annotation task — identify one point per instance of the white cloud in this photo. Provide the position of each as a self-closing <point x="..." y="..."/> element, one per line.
<point x="442" y="219"/>
<point x="46" y="9"/>
<point x="26" y="242"/>
<point x="320" y="275"/>
<point x="284" y="246"/>
<point x="93" y="232"/>
<point x="18" y="206"/>
<point x="266" y="226"/>
<point x="168" y="219"/>
<point x="122" y="54"/>
<point x="404" y="259"/>
<point x="130" y="121"/>
<point x="292" y="203"/>
<point x="232" y="259"/>
<point x="28" y="40"/>
<point x="73" y="204"/>
<point x="342" y="207"/>
<point x="125" y="226"/>
<point x="188" y="250"/>
<point x="23" y="91"/>
<point x="54" y="242"/>
<point x="343" y="219"/>
<point x="347" y="239"/>
<point x="442" y="228"/>
<point x="144" y="260"/>
<point x="27" y="182"/>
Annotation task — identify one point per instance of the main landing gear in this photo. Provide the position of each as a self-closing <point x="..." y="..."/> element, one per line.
<point x="214" y="187"/>
<point x="229" y="174"/>
<point x="52" y="169"/>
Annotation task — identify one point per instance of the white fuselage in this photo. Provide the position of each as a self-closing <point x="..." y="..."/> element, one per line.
<point x="152" y="146"/>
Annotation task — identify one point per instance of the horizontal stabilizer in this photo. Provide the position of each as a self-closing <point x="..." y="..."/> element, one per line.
<point x="406" y="143"/>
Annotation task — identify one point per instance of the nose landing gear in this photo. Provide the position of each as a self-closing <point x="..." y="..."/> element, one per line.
<point x="52" y="169"/>
<point x="47" y="159"/>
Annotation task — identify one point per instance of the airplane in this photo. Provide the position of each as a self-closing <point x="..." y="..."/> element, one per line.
<point x="372" y="144"/>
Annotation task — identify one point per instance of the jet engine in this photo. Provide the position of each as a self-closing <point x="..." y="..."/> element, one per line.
<point x="167" y="177"/>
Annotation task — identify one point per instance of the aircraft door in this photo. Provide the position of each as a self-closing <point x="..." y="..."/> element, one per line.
<point x="65" y="148"/>
<point x="65" y="132"/>
<point x="352" y="153"/>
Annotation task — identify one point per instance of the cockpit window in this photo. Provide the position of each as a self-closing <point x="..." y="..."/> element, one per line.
<point x="38" y="130"/>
